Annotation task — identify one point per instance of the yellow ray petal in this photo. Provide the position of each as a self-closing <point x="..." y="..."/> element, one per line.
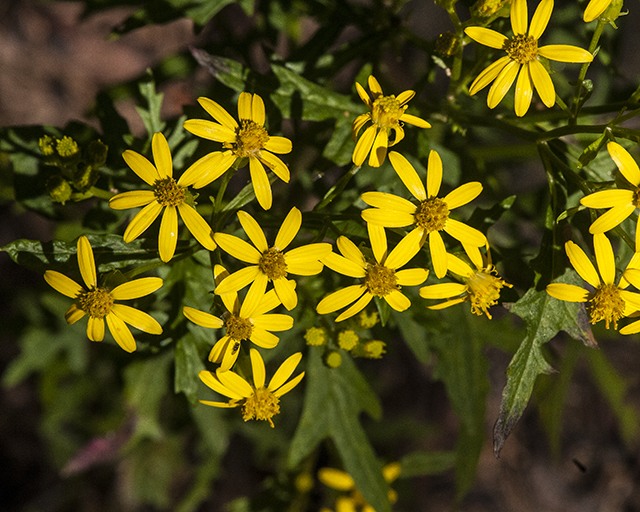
<point x="210" y="130"/>
<point x="542" y="82"/>
<point x="307" y="253"/>
<point x="308" y="268"/>
<point x="343" y="265"/>
<point x="356" y="307"/>
<point x="540" y="18"/>
<point x="374" y="86"/>
<point x="286" y="291"/>
<point x="224" y="405"/>
<point x="363" y="95"/>
<point x="592" y="11"/>
<point x="136" y="288"/>
<point x="339" y="299"/>
<point x="244" y="106"/>
<point x="208" y="168"/>
<point x="254" y="232"/>
<point x="95" y="329"/>
<point x="229" y="356"/>
<point x="218" y="113"/>
<point x="279" y="145"/>
<point x="274" y="163"/>
<point x="633" y="327"/>
<point x="275" y="322"/>
<point x="405" y="96"/>
<point x="168" y="237"/>
<point x="582" y="264"/>
<point x="289" y="229"/>
<point x="350" y="250"/>
<point x="379" y="148"/>
<point x="257" y="367"/>
<point x="121" y="333"/>
<point x="524" y="91"/>
<point x="220" y="348"/>
<point x="238" y="280"/>
<point x="197" y="226"/>
<point x="625" y="163"/>
<point x="565" y="53"/>
<point x="608" y="198"/>
<point x="238" y="248"/>
<point x="257" y="110"/>
<point x="215" y="171"/>
<point x="388" y="201"/>
<point x="234" y="382"/>
<point x="202" y="318"/>
<point x="397" y="300"/>
<point x="378" y="239"/>
<point x="487" y="37"/>
<point x="519" y="17"/>
<point x="412" y="276"/>
<point x="567" y="292"/>
<point x="447" y="303"/>
<point x="407" y="173"/>
<point x="73" y="314"/>
<point x="457" y="266"/>
<point x="136" y="318"/>
<point x="434" y="174"/>
<point x="463" y="194"/>
<point x="415" y="121"/>
<point x="387" y="218"/>
<point x="254" y="296"/>
<point x="406" y="249"/>
<point x="604" y="258"/>
<point x="210" y="380"/>
<point x="62" y="284"/>
<point x="284" y="371"/>
<point x="142" y="220"/>
<point x="263" y="338"/>
<point x="502" y="83"/>
<point x="488" y="75"/>
<point x="141" y="166"/>
<point x="261" y="185"/>
<point x="465" y="234"/>
<point x="442" y="290"/>
<point x="438" y="254"/>
<point x="162" y="155"/>
<point x="86" y="262"/>
<point x="358" y="123"/>
<point x="363" y="146"/>
<point x="283" y="390"/>
<point x="132" y="199"/>
<point x="612" y="218"/>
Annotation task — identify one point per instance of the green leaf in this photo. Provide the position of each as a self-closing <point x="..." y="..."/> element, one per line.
<point x="333" y="401"/>
<point x="228" y="71"/>
<point x="188" y="364"/>
<point x="151" y="114"/>
<point x="426" y="463"/>
<point x="545" y="317"/>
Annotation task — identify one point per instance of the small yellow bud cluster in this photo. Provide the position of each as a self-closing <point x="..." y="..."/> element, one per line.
<point x="316" y="336"/>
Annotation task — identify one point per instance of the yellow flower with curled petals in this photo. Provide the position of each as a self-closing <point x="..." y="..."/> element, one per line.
<point x="270" y="263"/>
<point x="257" y="401"/>
<point x="167" y="194"/>
<point x="522" y="59"/>
<point x="431" y="215"/>
<point x="245" y="139"/>
<point x="381" y="276"/>
<point x="623" y="202"/>
<point x="386" y="115"/>
<point x="343" y="482"/>
<point x="607" y="301"/>
<point x="99" y="302"/>
<point x="481" y="287"/>
<point x="246" y="321"/>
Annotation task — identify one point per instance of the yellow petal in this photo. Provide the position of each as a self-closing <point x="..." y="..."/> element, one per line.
<point x="604" y="258"/>
<point x="363" y="146"/>
<point x="632" y="275"/>
<point x="230" y="355"/>
<point x="593" y="10"/>
<point x="625" y="163"/>
<point x="344" y="266"/>
<point x="142" y="220"/>
<point x="136" y="288"/>
<point x="608" y="198"/>
<point x="274" y="322"/>
<point x="132" y="199"/>
<point x="121" y="333"/>
<point x="255" y="234"/>
<point x="235" y="383"/>
<point x="379" y="148"/>
<point x="350" y="250"/>
<point x="406" y="249"/>
<point x="542" y="82"/>
<point x="488" y="75"/>
<point x="95" y="329"/>
<point x="224" y="405"/>
<point x="264" y="339"/>
<point x="254" y="296"/>
<point x="215" y="171"/>
<point x="86" y="262"/>
<point x="415" y="121"/>
<point x="217" y="353"/>
<point x="374" y="86"/>
<point x="438" y="254"/>
<point x="168" y="237"/>
<point x="387" y="218"/>
<point x="565" y="53"/>
<point x="434" y="174"/>
<point x="363" y="95"/>
<point x="407" y="173"/>
<point x="412" y="276"/>
<point x="442" y="290"/>
<point x="218" y="113"/>
<point x="141" y="166"/>
<point x="162" y="155"/>
<point x="278" y="167"/>
<point x="63" y="284"/>
<point x="465" y="234"/>
<point x="202" y="318"/>
<point x="208" y="168"/>
<point x="261" y="185"/>
<point x="378" y="239"/>
<point x="356" y="307"/>
<point x="487" y="37"/>
<point x="286" y="291"/>
<point x="447" y="304"/>
<point x="524" y="91"/>
<point x="519" y="17"/>
<point x="244" y="106"/>
<point x="388" y="201"/>
<point x="309" y="253"/>
<point x="308" y="268"/>
<point x="633" y="327"/>
<point x="289" y="229"/>
<point x="582" y="264"/>
<point x="284" y="371"/>
<point x="567" y="292"/>
<point x="197" y="226"/>
<point x="397" y="300"/>
<point x="238" y="248"/>
<point x="210" y="380"/>
<point x="73" y="314"/>
<point x="358" y="123"/>
<point x="457" y="266"/>
<point x="279" y="145"/>
<point x="257" y="110"/>
<point x="237" y="281"/>
<point x="463" y="194"/>
<point x="210" y="130"/>
<point x="339" y="299"/>
<point x="540" y="18"/>
<point x="405" y="96"/>
<point x="612" y="218"/>
<point x="336" y="479"/>
<point x="136" y="318"/>
<point x="634" y="263"/>
<point x="502" y="83"/>
<point x="283" y="390"/>
<point x="257" y="367"/>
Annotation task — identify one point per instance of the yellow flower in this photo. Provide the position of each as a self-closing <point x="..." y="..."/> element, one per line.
<point x="386" y="114"/>
<point x="608" y="302"/>
<point x="480" y="287"/>
<point x="341" y="481"/>
<point x="167" y="194"/>
<point x="594" y="9"/>
<point x="270" y="263"/>
<point x="623" y="202"/>
<point x="99" y="302"/>
<point x="247" y="139"/>
<point x="522" y="52"/>
<point x="431" y="214"/>
<point x="258" y="401"/>
<point x="248" y="321"/>
<point x="632" y="275"/>
<point x="381" y="276"/>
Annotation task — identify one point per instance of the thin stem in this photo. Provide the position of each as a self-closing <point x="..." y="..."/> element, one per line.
<point x="577" y="104"/>
<point x="102" y="194"/>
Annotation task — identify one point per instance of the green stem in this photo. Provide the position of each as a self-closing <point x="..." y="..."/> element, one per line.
<point x="577" y="104"/>
<point x="337" y="188"/>
<point x="102" y="194"/>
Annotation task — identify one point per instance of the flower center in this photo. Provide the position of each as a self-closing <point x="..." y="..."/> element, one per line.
<point x="261" y="405"/>
<point x="607" y="304"/>
<point x="250" y="139"/>
<point x="432" y="214"/>
<point x="521" y="48"/>
<point x="483" y="289"/>
<point x="272" y="264"/>
<point x="238" y="328"/>
<point x="96" y="303"/>
<point x="168" y="192"/>
<point x="386" y="111"/>
<point x="380" y="280"/>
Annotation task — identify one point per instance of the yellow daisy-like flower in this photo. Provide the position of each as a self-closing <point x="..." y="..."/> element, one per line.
<point x="167" y="194"/>
<point x="270" y="263"/>
<point x="608" y="301"/>
<point x="522" y="52"/>
<point x="632" y="275"/>
<point x="99" y="302"/>
<point x="381" y="276"/>
<point x="246" y="139"/>
<point x="431" y="214"/>
<point x="480" y="287"/>
<point x="623" y="202"/>
<point x="248" y="321"/>
<point x="342" y="481"/>
<point x="257" y="401"/>
<point x="386" y="114"/>
<point x="594" y="9"/>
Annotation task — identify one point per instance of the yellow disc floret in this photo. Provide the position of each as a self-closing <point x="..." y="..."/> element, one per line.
<point x="348" y="340"/>
<point x="432" y="214"/>
<point x="168" y="192"/>
<point x="96" y="303"/>
<point x="386" y="111"/>
<point x="250" y="139"/>
<point x="607" y="305"/>
<point x="261" y="405"/>
<point x="272" y="263"/>
<point x="239" y="328"/>
<point x="484" y="288"/>
<point x="521" y="48"/>
<point x="380" y="280"/>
